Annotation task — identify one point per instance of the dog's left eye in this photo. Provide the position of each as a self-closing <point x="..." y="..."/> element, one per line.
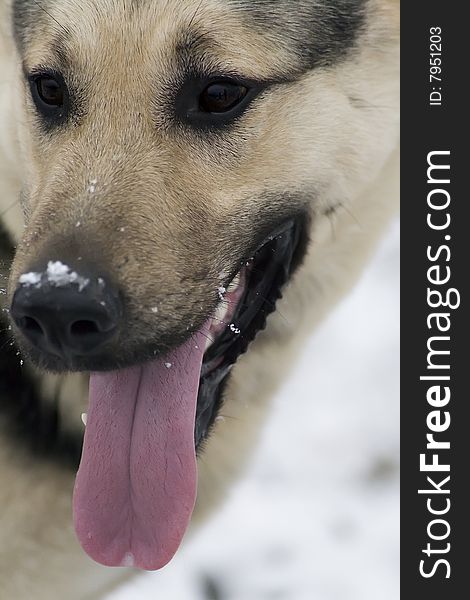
<point x="214" y="103"/>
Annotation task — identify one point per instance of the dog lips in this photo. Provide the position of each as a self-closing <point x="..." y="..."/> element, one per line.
<point x="136" y="486"/>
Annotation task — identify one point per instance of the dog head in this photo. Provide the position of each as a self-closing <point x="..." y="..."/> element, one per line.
<point x="174" y="155"/>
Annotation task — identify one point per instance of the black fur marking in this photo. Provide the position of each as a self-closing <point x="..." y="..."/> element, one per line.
<point x="29" y="420"/>
<point x="320" y="32"/>
<point x="6" y="247"/>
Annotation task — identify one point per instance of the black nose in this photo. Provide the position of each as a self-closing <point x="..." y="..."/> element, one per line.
<point x="67" y="319"/>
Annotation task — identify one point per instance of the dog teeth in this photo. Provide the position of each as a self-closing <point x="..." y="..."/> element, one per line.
<point x="234" y="283"/>
<point x="209" y="342"/>
<point x="84" y="418"/>
<point x="223" y="312"/>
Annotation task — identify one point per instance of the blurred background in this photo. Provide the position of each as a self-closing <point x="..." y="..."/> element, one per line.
<point x="317" y="515"/>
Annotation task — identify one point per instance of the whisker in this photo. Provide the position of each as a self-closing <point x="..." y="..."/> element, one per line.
<point x="10" y="341"/>
<point x="351" y="214"/>
<point x="8" y="208"/>
<point x="50" y="16"/>
<point x="195" y="14"/>
<point x="210" y="339"/>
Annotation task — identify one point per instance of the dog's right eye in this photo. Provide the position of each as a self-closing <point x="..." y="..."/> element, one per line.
<point x="49" y="93"/>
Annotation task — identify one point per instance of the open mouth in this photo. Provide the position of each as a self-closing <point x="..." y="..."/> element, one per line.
<point x="136" y="486"/>
<point x="246" y="305"/>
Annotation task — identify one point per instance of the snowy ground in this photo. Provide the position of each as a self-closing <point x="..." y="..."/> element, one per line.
<point x="317" y="516"/>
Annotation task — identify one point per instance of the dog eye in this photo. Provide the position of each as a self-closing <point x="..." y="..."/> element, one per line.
<point x="50" y="91"/>
<point x="214" y="103"/>
<point x="221" y="97"/>
<point x="50" y="95"/>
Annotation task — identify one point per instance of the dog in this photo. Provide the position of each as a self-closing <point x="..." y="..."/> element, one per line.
<point x="188" y="188"/>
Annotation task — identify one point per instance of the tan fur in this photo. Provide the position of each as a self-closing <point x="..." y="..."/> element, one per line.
<point x="327" y="144"/>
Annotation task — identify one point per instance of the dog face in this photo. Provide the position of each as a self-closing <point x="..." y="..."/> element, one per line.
<point x="175" y="155"/>
<point x="165" y="140"/>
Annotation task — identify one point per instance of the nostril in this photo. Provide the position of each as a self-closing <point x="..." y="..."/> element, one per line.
<point x="28" y="324"/>
<point x="84" y="328"/>
<point x="66" y="320"/>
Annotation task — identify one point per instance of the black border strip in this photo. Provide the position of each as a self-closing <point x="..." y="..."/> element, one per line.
<point x="425" y="129"/>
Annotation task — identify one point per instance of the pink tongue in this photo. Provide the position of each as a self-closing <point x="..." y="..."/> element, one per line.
<point x="136" y="486"/>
